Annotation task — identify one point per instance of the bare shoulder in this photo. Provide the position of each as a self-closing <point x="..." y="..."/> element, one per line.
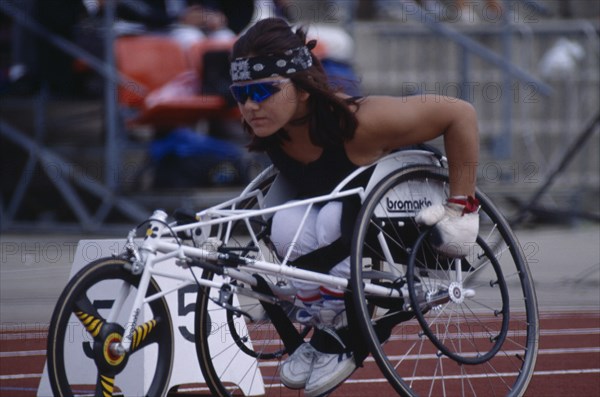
<point x="390" y="108"/>
<point x="369" y="141"/>
<point x="397" y="115"/>
<point x="386" y="123"/>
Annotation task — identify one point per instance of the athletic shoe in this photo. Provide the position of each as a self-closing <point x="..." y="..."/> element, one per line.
<point x="328" y="371"/>
<point x="456" y="225"/>
<point x="297" y="368"/>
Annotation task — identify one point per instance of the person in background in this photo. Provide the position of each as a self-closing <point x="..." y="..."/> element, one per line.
<point x="198" y="22"/>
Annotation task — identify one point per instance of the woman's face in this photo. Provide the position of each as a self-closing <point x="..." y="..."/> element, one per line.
<point x="282" y="103"/>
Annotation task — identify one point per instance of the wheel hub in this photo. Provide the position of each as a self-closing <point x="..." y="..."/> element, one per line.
<point x="456" y="293"/>
<point x="110" y="355"/>
<point x="107" y="358"/>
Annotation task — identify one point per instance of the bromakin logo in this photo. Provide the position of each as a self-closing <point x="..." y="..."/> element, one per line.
<point x="405" y="206"/>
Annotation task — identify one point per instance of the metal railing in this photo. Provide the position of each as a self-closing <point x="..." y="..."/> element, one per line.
<point x="107" y="191"/>
<point x="469" y="48"/>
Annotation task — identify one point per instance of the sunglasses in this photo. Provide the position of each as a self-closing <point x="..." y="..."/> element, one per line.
<point x="257" y="92"/>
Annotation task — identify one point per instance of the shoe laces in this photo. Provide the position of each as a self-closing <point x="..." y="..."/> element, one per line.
<point x="308" y="351"/>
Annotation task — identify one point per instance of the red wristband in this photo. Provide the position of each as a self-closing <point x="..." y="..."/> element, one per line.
<point x="470" y="204"/>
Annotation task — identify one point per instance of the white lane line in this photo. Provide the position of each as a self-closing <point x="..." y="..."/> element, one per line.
<point x="512" y="333"/>
<point x="474" y="376"/>
<point x="413" y="336"/>
<point x="506" y="353"/>
<point x="510" y="374"/>
<point x="408" y="379"/>
<point x="23" y="353"/>
<point x="9" y="336"/>
<point x="574" y="350"/>
<point x="429" y="378"/>
<point x="569" y="350"/>
<point x="20" y="376"/>
<point x="23" y="335"/>
<point x="569" y="331"/>
<point x="453" y="377"/>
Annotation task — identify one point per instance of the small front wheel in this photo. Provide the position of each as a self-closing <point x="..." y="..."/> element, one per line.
<point x="238" y="345"/>
<point x="87" y="324"/>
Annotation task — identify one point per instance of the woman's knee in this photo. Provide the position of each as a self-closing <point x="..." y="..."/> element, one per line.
<point x="285" y="226"/>
<point x="328" y="227"/>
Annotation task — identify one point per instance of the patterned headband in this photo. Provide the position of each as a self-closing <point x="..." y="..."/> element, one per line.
<point x="252" y="68"/>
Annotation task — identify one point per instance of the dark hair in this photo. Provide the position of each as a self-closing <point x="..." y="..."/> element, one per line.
<point x="330" y="119"/>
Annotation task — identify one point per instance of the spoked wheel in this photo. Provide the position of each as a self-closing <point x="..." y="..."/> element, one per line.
<point x="240" y="354"/>
<point x="239" y="349"/>
<point x="450" y="302"/>
<point x="87" y="323"/>
<point x="465" y="328"/>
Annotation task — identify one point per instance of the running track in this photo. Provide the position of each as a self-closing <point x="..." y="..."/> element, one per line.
<point x="568" y="362"/>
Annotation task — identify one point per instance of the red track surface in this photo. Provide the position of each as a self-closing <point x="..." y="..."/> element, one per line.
<point x="568" y="362"/>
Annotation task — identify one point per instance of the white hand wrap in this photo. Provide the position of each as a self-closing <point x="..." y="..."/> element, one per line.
<point x="455" y="231"/>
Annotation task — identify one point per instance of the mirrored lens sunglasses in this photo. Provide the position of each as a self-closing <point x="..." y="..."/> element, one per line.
<point x="257" y="92"/>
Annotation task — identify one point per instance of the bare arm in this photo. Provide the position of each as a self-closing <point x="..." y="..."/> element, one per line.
<point x="388" y="123"/>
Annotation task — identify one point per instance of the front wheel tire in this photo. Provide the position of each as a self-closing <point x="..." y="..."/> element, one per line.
<point x="86" y="323"/>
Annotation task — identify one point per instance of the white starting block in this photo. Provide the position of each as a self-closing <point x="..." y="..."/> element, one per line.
<point x="186" y="369"/>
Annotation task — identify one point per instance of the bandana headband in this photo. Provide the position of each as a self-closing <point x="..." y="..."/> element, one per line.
<point x="252" y="68"/>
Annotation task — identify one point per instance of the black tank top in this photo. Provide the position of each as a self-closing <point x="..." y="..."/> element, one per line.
<point x="318" y="177"/>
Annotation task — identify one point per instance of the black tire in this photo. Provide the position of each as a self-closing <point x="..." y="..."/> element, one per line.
<point x="77" y="313"/>
<point x="429" y="355"/>
<point x="253" y="344"/>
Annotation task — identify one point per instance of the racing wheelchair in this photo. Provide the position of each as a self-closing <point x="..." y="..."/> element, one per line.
<point x="433" y="325"/>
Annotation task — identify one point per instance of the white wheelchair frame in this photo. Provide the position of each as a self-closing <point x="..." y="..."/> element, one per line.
<point x="156" y="248"/>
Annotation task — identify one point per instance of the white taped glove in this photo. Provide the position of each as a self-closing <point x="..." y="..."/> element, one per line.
<point x="456" y="225"/>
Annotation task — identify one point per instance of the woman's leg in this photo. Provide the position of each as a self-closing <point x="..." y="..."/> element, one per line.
<point x="285" y="225"/>
<point x="328" y="229"/>
<point x="322" y="227"/>
<point x="314" y="366"/>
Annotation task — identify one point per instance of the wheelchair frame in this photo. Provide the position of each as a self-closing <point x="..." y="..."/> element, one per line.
<point x="162" y="243"/>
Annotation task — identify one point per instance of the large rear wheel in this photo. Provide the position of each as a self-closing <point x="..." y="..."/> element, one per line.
<point x="473" y="332"/>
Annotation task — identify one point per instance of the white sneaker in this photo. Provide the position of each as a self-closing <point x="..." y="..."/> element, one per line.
<point x="297" y="368"/>
<point x="329" y="370"/>
<point x="456" y="225"/>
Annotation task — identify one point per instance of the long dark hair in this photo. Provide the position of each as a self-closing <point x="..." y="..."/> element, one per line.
<point x="330" y="119"/>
